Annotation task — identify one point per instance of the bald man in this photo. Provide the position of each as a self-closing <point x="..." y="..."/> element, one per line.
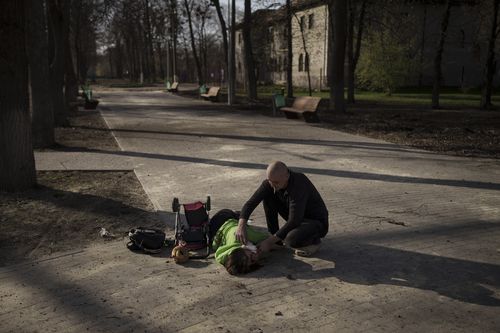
<point x="291" y="195"/>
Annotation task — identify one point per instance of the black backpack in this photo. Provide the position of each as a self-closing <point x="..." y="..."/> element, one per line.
<point x="146" y="239"/>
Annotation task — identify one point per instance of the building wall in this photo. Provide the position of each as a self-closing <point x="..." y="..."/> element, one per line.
<point x="462" y="62"/>
<point x="316" y="47"/>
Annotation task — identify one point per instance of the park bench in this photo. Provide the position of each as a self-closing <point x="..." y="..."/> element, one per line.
<point x="173" y="88"/>
<point x="279" y="101"/>
<point x="306" y="106"/>
<point x="212" y="94"/>
<point x="90" y="103"/>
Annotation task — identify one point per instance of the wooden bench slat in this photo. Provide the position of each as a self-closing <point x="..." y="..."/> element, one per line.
<point x="305" y="105"/>
<point x="212" y="93"/>
<point x="174" y="87"/>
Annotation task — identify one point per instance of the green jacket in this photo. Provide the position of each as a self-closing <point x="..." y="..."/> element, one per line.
<point x="225" y="239"/>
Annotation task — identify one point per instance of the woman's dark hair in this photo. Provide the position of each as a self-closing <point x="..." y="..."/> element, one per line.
<point x="239" y="263"/>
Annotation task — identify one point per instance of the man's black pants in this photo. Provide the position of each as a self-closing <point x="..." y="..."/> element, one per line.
<point x="307" y="233"/>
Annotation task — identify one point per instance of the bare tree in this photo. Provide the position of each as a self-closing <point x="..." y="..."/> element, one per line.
<point x="174" y="33"/>
<point x="203" y="12"/>
<point x="149" y="42"/>
<point x="422" y="47"/>
<point x="17" y="162"/>
<point x="223" y="28"/>
<point x="70" y="77"/>
<point x="288" y="29"/>
<point x="41" y="102"/>
<point x="438" y="75"/>
<point x="57" y="11"/>
<point x="304" y="46"/>
<point x="354" y="43"/>
<point x="232" y="55"/>
<point x="188" y="7"/>
<point x="491" y="64"/>
<point x="248" y="56"/>
<point x="339" y="18"/>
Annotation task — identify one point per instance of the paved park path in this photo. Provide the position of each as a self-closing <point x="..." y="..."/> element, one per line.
<point x="414" y="244"/>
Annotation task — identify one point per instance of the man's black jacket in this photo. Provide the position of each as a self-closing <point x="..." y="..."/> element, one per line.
<point x="300" y="199"/>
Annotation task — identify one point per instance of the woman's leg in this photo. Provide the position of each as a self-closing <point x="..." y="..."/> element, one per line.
<point x="219" y="219"/>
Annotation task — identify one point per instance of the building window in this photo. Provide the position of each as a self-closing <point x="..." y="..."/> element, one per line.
<point x="306" y="67"/>
<point x="239" y="67"/>
<point x="302" y="23"/>
<point x="239" y="38"/>
<point x="301" y="62"/>
<point x="311" y="21"/>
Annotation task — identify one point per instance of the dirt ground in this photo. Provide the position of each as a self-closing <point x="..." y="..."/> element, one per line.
<point x="68" y="208"/>
<point x="472" y="133"/>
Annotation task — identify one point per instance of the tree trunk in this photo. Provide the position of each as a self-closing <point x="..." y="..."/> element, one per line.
<point x="193" y="44"/>
<point x="187" y="71"/>
<point x="329" y="63"/>
<point x="232" y="55"/>
<point x="289" y="77"/>
<point x="350" y="52"/>
<point x="41" y="102"/>
<point x="149" y="43"/>
<point x="340" y="32"/>
<point x="174" y="58"/>
<point x="422" y="48"/>
<point x="144" y="49"/>
<point x="77" y="35"/>
<point x="490" y="67"/>
<point x="439" y="56"/>
<point x="56" y="59"/>
<point x="160" y="60"/>
<point x="170" y="64"/>
<point x="354" y="51"/>
<point x="71" y="81"/>
<point x="174" y="29"/>
<point x="247" y="45"/>
<point x="17" y="162"/>
<point x="223" y="28"/>
<point x="119" y="59"/>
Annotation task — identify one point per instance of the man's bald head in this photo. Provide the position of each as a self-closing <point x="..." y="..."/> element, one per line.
<point x="277" y="169"/>
<point x="277" y="175"/>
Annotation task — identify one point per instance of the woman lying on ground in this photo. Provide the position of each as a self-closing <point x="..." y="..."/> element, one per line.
<point x="236" y="257"/>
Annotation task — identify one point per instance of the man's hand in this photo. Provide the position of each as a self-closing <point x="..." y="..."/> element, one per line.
<point x="268" y="244"/>
<point x="241" y="232"/>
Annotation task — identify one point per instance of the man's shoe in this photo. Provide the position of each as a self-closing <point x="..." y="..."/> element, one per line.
<point x="307" y="251"/>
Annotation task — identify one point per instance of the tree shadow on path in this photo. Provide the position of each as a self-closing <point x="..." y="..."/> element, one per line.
<point x="360" y="263"/>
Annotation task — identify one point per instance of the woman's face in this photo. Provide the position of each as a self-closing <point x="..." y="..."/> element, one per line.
<point x="252" y="256"/>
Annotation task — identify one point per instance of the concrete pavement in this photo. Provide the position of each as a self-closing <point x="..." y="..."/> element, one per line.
<point x="414" y="243"/>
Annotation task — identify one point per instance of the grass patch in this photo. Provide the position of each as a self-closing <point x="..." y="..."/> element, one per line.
<point x="452" y="97"/>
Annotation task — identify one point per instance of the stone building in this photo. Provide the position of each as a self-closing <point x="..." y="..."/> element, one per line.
<point x="417" y="21"/>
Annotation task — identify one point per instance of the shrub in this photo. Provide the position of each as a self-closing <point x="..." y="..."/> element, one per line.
<point x="385" y="63"/>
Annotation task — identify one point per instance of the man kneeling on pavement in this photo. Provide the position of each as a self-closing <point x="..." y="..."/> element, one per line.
<point x="291" y="195"/>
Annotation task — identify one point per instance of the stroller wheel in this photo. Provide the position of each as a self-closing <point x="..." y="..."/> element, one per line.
<point x="175" y="205"/>
<point x="207" y="203"/>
